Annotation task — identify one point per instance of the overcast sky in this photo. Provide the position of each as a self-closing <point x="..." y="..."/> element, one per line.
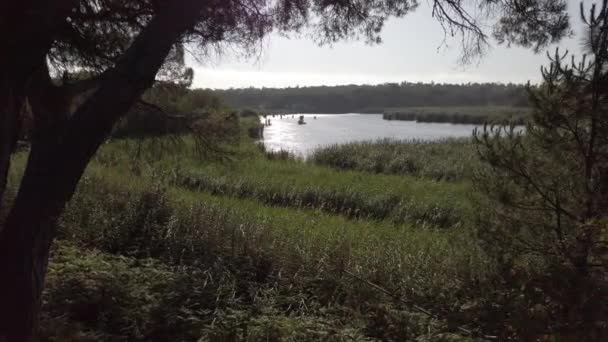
<point x="411" y="51"/>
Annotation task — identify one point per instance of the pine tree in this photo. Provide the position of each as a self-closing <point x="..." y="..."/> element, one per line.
<point x="545" y="195"/>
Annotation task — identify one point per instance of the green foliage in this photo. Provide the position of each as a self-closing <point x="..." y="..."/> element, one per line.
<point x="210" y="136"/>
<point x="93" y="296"/>
<point x="212" y="133"/>
<point x="144" y="121"/>
<point x="249" y="113"/>
<point x="159" y="126"/>
<point x="199" y="100"/>
<point x="250" y="122"/>
<point x="166" y="95"/>
<point x="449" y="160"/>
<point x="549" y="24"/>
<point x="169" y="108"/>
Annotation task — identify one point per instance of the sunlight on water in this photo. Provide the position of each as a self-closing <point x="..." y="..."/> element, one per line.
<point x="329" y="129"/>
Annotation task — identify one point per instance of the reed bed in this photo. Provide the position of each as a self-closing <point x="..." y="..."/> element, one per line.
<point x="446" y="160"/>
<point x="169" y="262"/>
<point x="351" y="194"/>
<point x="477" y="115"/>
<point x="174" y="247"/>
<point x="297" y="184"/>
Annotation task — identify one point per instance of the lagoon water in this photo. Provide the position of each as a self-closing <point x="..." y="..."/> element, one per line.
<point x="330" y="129"/>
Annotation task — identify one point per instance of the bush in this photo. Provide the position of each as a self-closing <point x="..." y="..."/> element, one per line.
<point x="244" y="113"/>
<point x="91" y="296"/>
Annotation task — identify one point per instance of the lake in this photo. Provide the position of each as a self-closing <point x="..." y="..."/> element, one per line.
<point x="330" y="129"/>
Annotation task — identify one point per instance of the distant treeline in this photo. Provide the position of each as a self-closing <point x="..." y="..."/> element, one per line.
<point x="374" y="98"/>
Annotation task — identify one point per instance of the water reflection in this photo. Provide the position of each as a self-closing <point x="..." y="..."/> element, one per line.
<point x="329" y="129"/>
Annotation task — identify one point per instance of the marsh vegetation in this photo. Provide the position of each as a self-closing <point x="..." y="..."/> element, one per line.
<point x="460" y="115"/>
<point x="247" y="246"/>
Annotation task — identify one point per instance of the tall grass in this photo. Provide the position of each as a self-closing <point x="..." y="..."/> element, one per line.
<point x="352" y="194"/>
<point x="174" y="247"/>
<point x="280" y="262"/>
<point x="292" y="183"/>
<point x="448" y="160"/>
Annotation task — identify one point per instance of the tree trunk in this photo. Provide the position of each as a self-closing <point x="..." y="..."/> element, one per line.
<point x="26" y="34"/>
<point x="8" y="133"/>
<point x="61" y="150"/>
<point x="28" y="232"/>
<point x="23" y="260"/>
<point x="24" y="248"/>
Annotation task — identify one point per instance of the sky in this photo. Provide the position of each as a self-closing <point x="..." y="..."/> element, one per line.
<point x="411" y="50"/>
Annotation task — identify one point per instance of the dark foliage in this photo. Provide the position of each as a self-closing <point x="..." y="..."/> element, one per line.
<point x="545" y="208"/>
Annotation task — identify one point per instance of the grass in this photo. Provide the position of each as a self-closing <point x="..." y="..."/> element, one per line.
<point x="446" y="160"/>
<point x="292" y="183"/>
<point x="298" y="255"/>
<point x="174" y="247"/>
<point x="352" y="194"/>
<point x="461" y="115"/>
<point x="276" y="229"/>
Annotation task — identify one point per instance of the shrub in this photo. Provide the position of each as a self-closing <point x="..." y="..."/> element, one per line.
<point x="543" y="209"/>
<point x="91" y="296"/>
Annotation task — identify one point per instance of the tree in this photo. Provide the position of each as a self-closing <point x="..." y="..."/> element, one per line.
<point x="546" y="220"/>
<point x="124" y="44"/>
<point x="352" y="98"/>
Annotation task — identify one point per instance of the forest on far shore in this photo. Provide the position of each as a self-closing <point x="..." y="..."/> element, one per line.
<point x="374" y="98"/>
